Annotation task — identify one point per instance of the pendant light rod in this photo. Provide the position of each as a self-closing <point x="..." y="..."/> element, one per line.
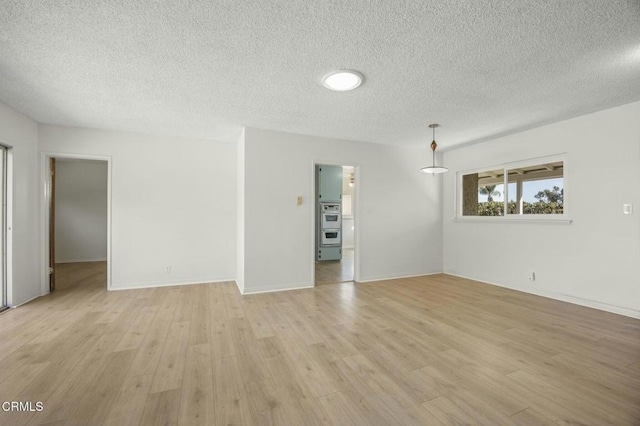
<point x="434" y="145"/>
<point x="433" y="168"/>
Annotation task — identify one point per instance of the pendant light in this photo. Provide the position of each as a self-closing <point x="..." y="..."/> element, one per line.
<point x="433" y="169"/>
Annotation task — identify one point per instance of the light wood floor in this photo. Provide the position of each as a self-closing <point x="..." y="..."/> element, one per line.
<point x="70" y="276"/>
<point x="422" y="351"/>
<point x="333" y="272"/>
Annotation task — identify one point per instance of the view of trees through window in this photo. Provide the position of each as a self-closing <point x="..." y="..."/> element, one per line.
<point x="535" y="189"/>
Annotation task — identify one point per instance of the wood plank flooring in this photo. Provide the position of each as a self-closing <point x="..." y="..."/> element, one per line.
<point x="418" y="351"/>
<point x="334" y="272"/>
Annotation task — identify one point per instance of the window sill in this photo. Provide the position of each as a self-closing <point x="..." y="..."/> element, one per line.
<point x="518" y="219"/>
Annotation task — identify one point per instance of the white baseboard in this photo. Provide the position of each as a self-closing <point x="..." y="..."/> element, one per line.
<point x="396" y="277"/>
<point x="564" y="298"/>
<point x="272" y="289"/>
<point x="241" y="290"/>
<point x="167" y="284"/>
<point x="102" y="259"/>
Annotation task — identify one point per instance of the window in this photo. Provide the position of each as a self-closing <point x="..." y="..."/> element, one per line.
<point x="517" y="189"/>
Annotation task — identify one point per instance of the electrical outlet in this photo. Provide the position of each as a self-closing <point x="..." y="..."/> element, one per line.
<point x="168" y="268"/>
<point x="627" y="209"/>
<point x="532" y="276"/>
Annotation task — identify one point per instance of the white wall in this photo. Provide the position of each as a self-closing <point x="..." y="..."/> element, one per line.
<point x="400" y="227"/>
<point x="173" y="204"/>
<point x="595" y="261"/>
<point x="348" y="237"/>
<point x="22" y="133"/>
<point x="81" y="211"/>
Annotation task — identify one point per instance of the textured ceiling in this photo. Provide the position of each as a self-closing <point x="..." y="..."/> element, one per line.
<point x="207" y="68"/>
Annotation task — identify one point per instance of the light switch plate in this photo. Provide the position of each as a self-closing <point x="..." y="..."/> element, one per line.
<point x="299" y="200"/>
<point x="627" y="208"/>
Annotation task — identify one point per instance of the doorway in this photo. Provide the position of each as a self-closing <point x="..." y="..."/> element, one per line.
<point x="334" y="251"/>
<point x="77" y="220"/>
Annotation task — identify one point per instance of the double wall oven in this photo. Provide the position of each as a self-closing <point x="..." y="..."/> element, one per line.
<point x="330" y="224"/>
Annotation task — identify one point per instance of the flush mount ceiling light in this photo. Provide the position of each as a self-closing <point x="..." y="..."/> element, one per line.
<point x="433" y="169"/>
<point x="342" y="80"/>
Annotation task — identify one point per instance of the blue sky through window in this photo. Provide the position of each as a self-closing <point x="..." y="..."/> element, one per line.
<point x="530" y="189"/>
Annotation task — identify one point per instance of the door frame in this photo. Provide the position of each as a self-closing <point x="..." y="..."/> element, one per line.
<point x="45" y="182"/>
<point x="52" y="226"/>
<point x="6" y="255"/>
<point x="356" y="216"/>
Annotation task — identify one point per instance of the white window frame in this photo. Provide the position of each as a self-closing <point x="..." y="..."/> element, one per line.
<point x="549" y="218"/>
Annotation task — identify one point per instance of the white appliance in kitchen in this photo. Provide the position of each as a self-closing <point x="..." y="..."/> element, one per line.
<point x="331" y="215"/>
<point x="330" y="231"/>
<point x="331" y="237"/>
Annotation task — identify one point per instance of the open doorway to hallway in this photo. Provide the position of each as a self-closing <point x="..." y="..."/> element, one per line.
<point x="335" y="224"/>
<point x="78" y="224"/>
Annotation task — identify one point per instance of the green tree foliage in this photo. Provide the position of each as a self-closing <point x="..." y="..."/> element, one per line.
<point x="491" y="208"/>
<point x="555" y="195"/>
<point x="489" y="191"/>
<point x="540" y="207"/>
<point x="496" y="208"/>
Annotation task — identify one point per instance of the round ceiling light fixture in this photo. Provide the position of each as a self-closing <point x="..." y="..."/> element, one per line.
<point x="342" y="80"/>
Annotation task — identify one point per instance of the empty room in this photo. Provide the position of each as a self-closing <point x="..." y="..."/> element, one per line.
<point x="320" y="212"/>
